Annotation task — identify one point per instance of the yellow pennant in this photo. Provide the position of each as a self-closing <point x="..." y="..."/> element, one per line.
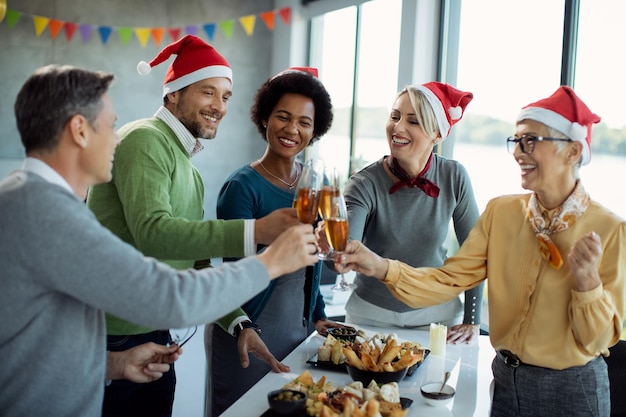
<point x="3" y="9"/>
<point x="143" y="34"/>
<point x="40" y="24"/>
<point x="248" y="23"/>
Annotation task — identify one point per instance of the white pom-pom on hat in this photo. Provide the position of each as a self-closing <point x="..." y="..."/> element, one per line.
<point x="455" y="113"/>
<point x="143" y="68"/>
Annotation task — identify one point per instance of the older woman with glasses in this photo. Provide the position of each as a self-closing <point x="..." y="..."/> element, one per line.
<point x="556" y="262"/>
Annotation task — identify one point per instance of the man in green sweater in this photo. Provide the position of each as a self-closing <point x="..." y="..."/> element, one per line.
<point x="155" y="203"/>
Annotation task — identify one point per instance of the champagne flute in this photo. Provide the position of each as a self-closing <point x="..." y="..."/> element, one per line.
<point x="308" y="191"/>
<point x="336" y="227"/>
<point x="330" y="189"/>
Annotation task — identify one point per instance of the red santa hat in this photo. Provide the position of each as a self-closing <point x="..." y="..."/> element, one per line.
<point x="195" y="60"/>
<point x="564" y="111"/>
<point x="447" y="102"/>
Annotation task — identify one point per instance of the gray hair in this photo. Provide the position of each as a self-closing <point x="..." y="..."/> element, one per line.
<point x="561" y="146"/>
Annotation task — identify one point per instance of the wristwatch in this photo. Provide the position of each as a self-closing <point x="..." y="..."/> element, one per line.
<point x="246" y="324"/>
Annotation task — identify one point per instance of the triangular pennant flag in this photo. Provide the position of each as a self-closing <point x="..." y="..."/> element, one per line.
<point x="125" y="35"/>
<point x="248" y="23"/>
<point x="3" y="9"/>
<point x="209" y="28"/>
<point x="285" y="13"/>
<point x="268" y="19"/>
<point x="70" y="28"/>
<point x="142" y="34"/>
<point x="12" y="17"/>
<point x="105" y="32"/>
<point x="157" y="35"/>
<point x="55" y="27"/>
<point x="40" y="24"/>
<point x="85" y="32"/>
<point x="191" y="30"/>
<point x="227" y="27"/>
<point x="174" y="33"/>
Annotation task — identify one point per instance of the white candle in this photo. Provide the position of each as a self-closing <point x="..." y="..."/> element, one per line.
<point x="438" y="333"/>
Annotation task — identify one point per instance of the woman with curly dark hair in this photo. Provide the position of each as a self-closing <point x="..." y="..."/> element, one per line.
<point x="291" y="111"/>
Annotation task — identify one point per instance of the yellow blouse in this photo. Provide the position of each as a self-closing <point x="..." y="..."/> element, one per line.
<point x="535" y="311"/>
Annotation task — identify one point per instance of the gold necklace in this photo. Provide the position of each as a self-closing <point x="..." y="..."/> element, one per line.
<point x="279" y="178"/>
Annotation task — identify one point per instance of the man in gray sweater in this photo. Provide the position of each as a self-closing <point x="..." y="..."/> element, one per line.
<point x="60" y="269"/>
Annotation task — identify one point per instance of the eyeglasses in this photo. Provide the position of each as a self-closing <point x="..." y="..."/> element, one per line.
<point x="527" y="142"/>
<point x="181" y="336"/>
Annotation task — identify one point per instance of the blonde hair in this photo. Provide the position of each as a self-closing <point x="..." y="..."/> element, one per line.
<point x="424" y="112"/>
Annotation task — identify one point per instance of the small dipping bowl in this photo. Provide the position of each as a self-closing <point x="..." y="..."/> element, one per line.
<point x="343" y="333"/>
<point x="433" y="396"/>
<point x="286" y="402"/>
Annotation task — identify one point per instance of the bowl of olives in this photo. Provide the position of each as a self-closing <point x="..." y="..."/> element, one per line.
<point x="347" y="334"/>
<point x="286" y="401"/>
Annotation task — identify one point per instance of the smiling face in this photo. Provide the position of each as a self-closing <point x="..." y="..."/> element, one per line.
<point x="406" y="138"/>
<point x="290" y="125"/>
<point x="547" y="171"/>
<point x="201" y="105"/>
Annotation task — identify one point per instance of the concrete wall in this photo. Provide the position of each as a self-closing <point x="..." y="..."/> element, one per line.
<point x="138" y="96"/>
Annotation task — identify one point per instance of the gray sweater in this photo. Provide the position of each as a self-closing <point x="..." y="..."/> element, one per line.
<point x="59" y="271"/>
<point x="410" y="226"/>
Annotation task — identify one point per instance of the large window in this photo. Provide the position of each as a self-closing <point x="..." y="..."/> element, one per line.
<point x="356" y="50"/>
<point x="599" y="80"/>
<point x="507" y="61"/>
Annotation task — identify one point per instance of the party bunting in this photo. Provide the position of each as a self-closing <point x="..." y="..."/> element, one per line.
<point x="143" y="34"/>
<point x="70" y="28"/>
<point x="3" y="9"/>
<point x="227" y="27"/>
<point x="247" y="22"/>
<point x="40" y="24"/>
<point x="105" y="32"/>
<point x="268" y="19"/>
<point x="55" y="27"/>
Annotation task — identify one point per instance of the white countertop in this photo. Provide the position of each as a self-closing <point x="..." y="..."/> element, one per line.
<point x="470" y="367"/>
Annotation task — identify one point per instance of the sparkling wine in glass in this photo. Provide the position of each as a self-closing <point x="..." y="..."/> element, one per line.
<point x="308" y="192"/>
<point x="336" y="228"/>
<point x="330" y="190"/>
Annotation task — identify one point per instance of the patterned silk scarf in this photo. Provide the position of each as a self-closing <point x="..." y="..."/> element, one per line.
<point x="563" y="217"/>
<point x="426" y="185"/>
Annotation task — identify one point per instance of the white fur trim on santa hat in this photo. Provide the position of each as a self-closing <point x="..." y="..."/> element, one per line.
<point x="440" y="114"/>
<point x="214" y="71"/>
<point x="572" y="130"/>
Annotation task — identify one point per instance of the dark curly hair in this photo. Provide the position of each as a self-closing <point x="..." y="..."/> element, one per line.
<point x="297" y="82"/>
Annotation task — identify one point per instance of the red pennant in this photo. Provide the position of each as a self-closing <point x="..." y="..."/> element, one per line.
<point x="174" y="33"/>
<point x="285" y="13"/>
<point x="70" y="28"/>
<point x="55" y="27"/>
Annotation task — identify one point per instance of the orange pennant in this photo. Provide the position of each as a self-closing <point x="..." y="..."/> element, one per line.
<point x="268" y="19"/>
<point x="55" y="27"/>
<point x="157" y="35"/>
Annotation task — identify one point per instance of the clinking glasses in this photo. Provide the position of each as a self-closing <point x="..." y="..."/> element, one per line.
<point x="527" y="142"/>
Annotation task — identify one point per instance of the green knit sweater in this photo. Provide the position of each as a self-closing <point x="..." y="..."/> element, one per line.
<point x="155" y="203"/>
